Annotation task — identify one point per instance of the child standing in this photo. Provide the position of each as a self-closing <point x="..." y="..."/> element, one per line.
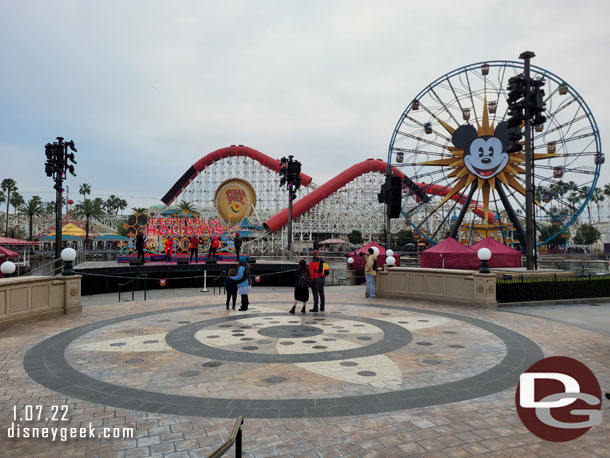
<point x="231" y="288"/>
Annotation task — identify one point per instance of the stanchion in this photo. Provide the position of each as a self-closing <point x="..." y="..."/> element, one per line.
<point x="205" y="282"/>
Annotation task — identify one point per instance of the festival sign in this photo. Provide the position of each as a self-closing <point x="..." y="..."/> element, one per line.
<point x="234" y="200"/>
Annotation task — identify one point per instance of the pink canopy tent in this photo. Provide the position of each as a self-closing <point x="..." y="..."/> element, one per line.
<point x="5" y="253"/>
<point x="380" y="258"/>
<point x="450" y="254"/>
<point x="501" y="255"/>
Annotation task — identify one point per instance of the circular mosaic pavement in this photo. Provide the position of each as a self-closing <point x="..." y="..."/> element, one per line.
<point x="266" y="363"/>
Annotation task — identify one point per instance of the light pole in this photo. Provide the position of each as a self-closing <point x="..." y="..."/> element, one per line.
<point x="59" y="161"/>
<point x="290" y="173"/>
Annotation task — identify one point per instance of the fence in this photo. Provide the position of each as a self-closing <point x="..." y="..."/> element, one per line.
<point x="551" y="287"/>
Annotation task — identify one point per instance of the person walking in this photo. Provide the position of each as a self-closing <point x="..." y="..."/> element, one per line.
<point x="243" y="282"/>
<point x="231" y="288"/>
<point x="214" y="244"/>
<point x="169" y="247"/>
<point x="194" y="248"/>
<point x="140" y="245"/>
<point x="301" y="286"/>
<point x="237" y="241"/>
<point x="317" y="278"/>
<point x="370" y="272"/>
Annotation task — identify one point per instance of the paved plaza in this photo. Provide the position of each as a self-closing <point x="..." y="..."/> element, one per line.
<point x="370" y="378"/>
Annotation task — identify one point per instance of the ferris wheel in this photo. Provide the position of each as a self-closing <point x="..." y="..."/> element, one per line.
<point x="451" y="142"/>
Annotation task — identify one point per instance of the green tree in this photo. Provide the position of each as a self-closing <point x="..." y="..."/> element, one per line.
<point x="84" y="190"/>
<point x="558" y="241"/>
<point x="8" y="186"/>
<point x="597" y="198"/>
<point x="355" y="237"/>
<point x="405" y="236"/>
<point x="16" y="201"/>
<point x="87" y="209"/>
<point x="32" y="208"/>
<point x="187" y="208"/>
<point x="586" y="234"/>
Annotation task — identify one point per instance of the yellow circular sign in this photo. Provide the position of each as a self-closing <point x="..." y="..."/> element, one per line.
<point x="234" y="200"/>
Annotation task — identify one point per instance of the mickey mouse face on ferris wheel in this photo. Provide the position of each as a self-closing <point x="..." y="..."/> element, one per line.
<point x="484" y="156"/>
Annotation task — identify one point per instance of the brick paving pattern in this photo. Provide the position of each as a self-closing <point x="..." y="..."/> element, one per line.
<point x="320" y="385"/>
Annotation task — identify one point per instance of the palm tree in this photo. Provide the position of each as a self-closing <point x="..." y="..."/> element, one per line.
<point x="583" y="192"/>
<point x="87" y="209"/>
<point x="187" y="208"/>
<point x="140" y="216"/>
<point x="31" y="209"/>
<point x="84" y="190"/>
<point x="121" y="205"/>
<point x="597" y="198"/>
<point x="16" y="201"/>
<point x="8" y="185"/>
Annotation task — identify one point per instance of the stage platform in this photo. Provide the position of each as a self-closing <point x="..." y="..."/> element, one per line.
<point x="100" y="277"/>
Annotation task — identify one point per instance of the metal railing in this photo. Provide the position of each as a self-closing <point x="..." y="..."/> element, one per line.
<point x="42" y="267"/>
<point x="523" y="288"/>
<point x="235" y="438"/>
<point x="133" y="286"/>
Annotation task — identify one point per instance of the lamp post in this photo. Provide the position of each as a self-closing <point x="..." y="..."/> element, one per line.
<point x="7" y="268"/>
<point x="68" y="255"/>
<point x="484" y="255"/>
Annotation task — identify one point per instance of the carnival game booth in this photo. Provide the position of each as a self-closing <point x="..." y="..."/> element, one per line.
<point x="501" y="255"/>
<point x="450" y="254"/>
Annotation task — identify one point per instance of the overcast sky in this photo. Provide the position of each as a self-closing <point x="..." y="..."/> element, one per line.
<point x="146" y="88"/>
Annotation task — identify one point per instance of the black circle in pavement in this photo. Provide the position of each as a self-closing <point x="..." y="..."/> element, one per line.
<point x="151" y="341"/>
<point x="225" y="326"/>
<point x="118" y="344"/>
<point x="287" y="342"/>
<point x="349" y="363"/>
<point x="238" y="335"/>
<point x="46" y="364"/>
<point x="183" y="339"/>
<point x="358" y="325"/>
<point x="294" y="321"/>
<point x="213" y="337"/>
<point x="276" y="379"/>
<point x="329" y="339"/>
<point x="364" y="338"/>
<point x="319" y="347"/>
<point x="449" y="332"/>
<point x="189" y="374"/>
<point x="456" y="346"/>
<point x="183" y="322"/>
<point x="432" y="362"/>
<point x="249" y="348"/>
<point x="134" y="361"/>
<point x="309" y="341"/>
<point x="164" y="321"/>
<point x="246" y="339"/>
<point x="245" y="327"/>
<point x="342" y="330"/>
<point x="424" y="344"/>
<point x="289" y="331"/>
<point x="264" y="342"/>
<point x="212" y="364"/>
<point x="367" y="373"/>
<point x="403" y="322"/>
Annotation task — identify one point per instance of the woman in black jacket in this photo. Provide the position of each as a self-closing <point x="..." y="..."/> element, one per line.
<point x="301" y="286"/>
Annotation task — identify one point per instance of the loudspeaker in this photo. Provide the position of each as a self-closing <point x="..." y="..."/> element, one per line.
<point x="182" y="261"/>
<point x="393" y="196"/>
<point x="135" y="262"/>
<point x="251" y="260"/>
<point x="211" y="260"/>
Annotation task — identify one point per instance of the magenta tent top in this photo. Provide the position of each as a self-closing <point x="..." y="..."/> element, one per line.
<point x="450" y="254"/>
<point x="501" y="255"/>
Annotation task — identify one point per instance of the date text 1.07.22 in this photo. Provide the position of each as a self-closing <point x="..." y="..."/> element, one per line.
<point x="40" y="413"/>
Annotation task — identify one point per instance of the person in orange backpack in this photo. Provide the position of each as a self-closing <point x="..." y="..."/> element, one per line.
<point x="317" y="278"/>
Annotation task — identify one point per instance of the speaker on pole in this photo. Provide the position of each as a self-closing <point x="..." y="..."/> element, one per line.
<point x="393" y="196"/>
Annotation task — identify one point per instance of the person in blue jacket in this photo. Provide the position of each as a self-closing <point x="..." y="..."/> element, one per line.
<point x="243" y="282"/>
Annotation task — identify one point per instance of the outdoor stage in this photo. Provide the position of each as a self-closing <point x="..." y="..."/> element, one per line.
<point x="101" y="277"/>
